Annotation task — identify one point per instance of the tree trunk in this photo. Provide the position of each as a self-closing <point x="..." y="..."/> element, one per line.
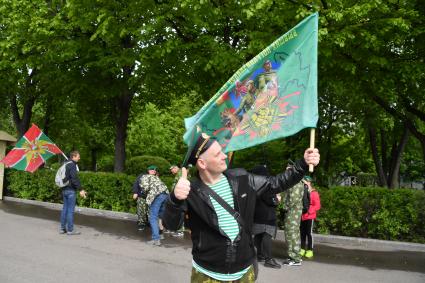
<point x="47" y="117"/>
<point x="384" y="157"/>
<point x="406" y="120"/>
<point x="393" y="178"/>
<point x="382" y="182"/>
<point x="22" y="124"/>
<point x="93" y="152"/>
<point x="123" y="104"/>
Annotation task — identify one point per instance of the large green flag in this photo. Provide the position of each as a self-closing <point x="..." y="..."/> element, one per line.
<point x="272" y="96"/>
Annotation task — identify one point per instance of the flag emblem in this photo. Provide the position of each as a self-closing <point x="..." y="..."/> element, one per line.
<point x="272" y="96"/>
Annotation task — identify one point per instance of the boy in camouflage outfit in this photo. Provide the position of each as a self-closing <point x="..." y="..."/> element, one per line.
<point x="293" y="207"/>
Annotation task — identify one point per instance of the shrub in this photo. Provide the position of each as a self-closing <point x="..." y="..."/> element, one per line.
<point x="106" y="164"/>
<point x="378" y="213"/>
<point x="39" y="185"/>
<point x="366" y="179"/>
<point x="138" y="164"/>
<point x="111" y="191"/>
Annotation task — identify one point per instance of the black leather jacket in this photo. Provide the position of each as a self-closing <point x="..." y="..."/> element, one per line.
<point x="211" y="248"/>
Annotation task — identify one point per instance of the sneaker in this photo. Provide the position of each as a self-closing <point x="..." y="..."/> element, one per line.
<point x="272" y="263"/>
<point x="302" y="252"/>
<point x="309" y="254"/>
<point x="141" y="227"/>
<point x="154" y="242"/>
<point x="177" y="234"/>
<point x="165" y="231"/>
<point x="260" y="258"/>
<point x="73" y="233"/>
<point x="291" y="262"/>
<point x="62" y="231"/>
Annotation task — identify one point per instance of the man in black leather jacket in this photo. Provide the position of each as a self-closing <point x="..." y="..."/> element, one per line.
<point x="224" y="250"/>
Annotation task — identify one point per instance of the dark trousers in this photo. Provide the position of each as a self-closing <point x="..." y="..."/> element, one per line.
<point x="263" y="243"/>
<point x="306" y="230"/>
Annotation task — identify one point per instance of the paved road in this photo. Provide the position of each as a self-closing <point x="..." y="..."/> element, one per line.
<point x="110" y="250"/>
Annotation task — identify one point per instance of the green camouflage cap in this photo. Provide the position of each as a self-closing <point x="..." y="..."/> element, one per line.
<point x="152" y="167"/>
<point x="308" y="178"/>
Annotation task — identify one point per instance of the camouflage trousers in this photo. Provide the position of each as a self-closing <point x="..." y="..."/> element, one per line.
<point x="142" y="212"/>
<point x="198" y="277"/>
<point x="292" y="234"/>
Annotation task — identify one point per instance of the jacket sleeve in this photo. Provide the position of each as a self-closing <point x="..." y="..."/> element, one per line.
<point x="314" y="202"/>
<point x="136" y="185"/>
<point x="280" y="182"/>
<point x="174" y="212"/>
<point x="73" y="178"/>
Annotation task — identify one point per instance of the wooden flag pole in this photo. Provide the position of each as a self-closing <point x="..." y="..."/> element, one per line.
<point x="312" y="134"/>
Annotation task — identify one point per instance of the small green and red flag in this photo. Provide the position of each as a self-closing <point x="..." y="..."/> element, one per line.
<point x="32" y="150"/>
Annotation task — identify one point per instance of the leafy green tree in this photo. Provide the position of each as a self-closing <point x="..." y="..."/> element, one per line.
<point x="159" y="132"/>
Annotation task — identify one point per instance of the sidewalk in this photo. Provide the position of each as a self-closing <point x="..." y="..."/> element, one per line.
<point x="110" y="249"/>
<point x="326" y="240"/>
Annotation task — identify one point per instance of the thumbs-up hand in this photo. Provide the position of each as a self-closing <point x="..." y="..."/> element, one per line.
<point x="182" y="188"/>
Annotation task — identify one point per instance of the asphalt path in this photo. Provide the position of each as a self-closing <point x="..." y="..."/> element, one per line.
<point x="111" y="250"/>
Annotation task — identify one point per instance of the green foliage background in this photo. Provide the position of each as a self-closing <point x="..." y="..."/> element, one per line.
<point x="139" y="164"/>
<point x="370" y="212"/>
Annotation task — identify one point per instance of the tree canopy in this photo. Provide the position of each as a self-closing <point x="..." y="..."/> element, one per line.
<point x="116" y="78"/>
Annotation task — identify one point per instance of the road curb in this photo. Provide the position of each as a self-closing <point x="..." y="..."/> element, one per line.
<point x="330" y="240"/>
<point x="78" y="209"/>
<point x="360" y="243"/>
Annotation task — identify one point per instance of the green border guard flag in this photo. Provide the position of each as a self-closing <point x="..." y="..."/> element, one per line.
<point x="272" y="96"/>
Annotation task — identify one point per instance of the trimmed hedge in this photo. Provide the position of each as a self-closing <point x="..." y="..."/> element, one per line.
<point x="111" y="191"/>
<point x="377" y="213"/>
<point x="367" y="212"/>
<point x="39" y="185"/>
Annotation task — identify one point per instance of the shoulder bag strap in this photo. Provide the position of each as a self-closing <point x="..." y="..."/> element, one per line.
<point x="226" y="206"/>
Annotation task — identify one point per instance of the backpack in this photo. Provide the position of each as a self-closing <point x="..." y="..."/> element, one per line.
<point x="61" y="175"/>
<point x="306" y="199"/>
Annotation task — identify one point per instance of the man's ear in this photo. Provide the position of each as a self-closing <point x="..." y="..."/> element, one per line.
<point x="201" y="163"/>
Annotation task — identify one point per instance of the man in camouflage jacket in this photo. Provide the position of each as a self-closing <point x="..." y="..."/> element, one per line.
<point x="156" y="195"/>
